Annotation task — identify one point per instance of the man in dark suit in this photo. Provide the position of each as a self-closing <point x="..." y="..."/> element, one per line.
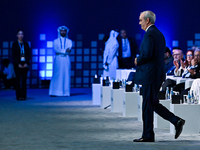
<point x="150" y="74"/>
<point x="127" y="51"/>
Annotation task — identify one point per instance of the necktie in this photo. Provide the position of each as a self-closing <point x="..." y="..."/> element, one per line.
<point x="124" y="45"/>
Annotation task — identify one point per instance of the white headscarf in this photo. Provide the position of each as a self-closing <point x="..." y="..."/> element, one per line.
<point x="109" y="45"/>
<point x="62" y="28"/>
<point x="113" y="37"/>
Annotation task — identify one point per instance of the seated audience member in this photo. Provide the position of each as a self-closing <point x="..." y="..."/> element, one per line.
<point x="177" y="55"/>
<point x="178" y="58"/>
<point x="8" y="74"/>
<point x="186" y="65"/>
<point x="168" y="59"/>
<point x="191" y="67"/>
<point x="195" y="68"/>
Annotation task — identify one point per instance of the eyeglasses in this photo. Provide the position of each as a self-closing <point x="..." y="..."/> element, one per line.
<point x="189" y="55"/>
<point x="176" y="54"/>
<point x="196" y="55"/>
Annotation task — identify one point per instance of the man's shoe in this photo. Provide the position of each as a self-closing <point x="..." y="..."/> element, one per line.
<point x="53" y="96"/>
<point x="179" y="127"/>
<point x="143" y="140"/>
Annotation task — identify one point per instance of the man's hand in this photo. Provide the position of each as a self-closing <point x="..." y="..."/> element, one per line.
<point x="106" y="64"/>
<point x="25" y="66"/>
<point x="182" y="64"/>
<point x="20" y="66"/>
<point x="136" y="61"/>
<point x="192" y="72"/>
<point x="68" y="50"/>
<point x="194" y="62"/>
<point x="176" y="64"/>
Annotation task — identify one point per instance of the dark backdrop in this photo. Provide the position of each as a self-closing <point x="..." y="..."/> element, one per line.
<point x="86" y="19"/>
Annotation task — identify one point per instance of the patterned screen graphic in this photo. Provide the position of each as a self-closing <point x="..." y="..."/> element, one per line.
<point x="85" y="62"/>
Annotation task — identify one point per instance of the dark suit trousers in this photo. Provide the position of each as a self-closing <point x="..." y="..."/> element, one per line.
<point x="126" y="63"/>
<point x="21" y="76"/>
<point x="151" y="104"/>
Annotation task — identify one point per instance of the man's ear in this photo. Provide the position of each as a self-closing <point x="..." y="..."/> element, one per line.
<point x="148" y="20"/>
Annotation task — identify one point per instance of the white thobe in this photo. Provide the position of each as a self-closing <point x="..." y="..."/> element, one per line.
<point x="60" y="81"/>
<point x="110" y="56"/>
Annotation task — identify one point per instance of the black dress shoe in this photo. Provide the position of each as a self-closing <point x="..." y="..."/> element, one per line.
<point x="53" y="96"/>
<point x="18" y="98"/>
<point x="179" y="127"/>
<point x="143" y="140"/>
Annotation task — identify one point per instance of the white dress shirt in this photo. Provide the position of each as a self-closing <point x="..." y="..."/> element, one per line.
<point x="126" y="51"/>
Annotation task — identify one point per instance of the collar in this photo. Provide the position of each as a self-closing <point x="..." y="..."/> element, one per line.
<point x="148" y="27"/>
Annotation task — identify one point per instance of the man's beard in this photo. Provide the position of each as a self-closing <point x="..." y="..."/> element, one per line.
<point x="63" y="34"/>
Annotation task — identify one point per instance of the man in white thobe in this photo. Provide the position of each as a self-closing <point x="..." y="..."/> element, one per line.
<point x="110" y="62"/>
<point x="60" y="82"/>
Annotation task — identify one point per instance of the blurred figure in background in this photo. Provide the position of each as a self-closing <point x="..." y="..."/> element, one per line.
<point x="21" y="58"/>
<point x="186" y="65"/>
<point x="177" y="55"/>
<point x="168" y="59"/>
<point x="8" y="74"/>
<point x="110" y="62"/>
<point x="127" y="51"/>
<point x="60" y="81"/>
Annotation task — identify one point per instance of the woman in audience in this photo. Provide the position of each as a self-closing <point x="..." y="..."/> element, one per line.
<point x="185" y="66"/>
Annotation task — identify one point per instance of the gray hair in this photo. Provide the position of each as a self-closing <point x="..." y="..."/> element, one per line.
<point x="150" y="15"/>
<point x="197" y="50"/>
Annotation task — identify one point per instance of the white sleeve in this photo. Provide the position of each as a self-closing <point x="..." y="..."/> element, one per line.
<point x="178" y="73"/>
<point x="56" y="46"/>
<point x="69" y="44"/>
<point x="105" y="54"/>
<point x="112" y="53"/>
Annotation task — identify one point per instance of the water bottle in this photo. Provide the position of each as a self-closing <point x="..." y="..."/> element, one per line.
<point x="167" y="93"/>
<point x="188" y="98"/>
<point x="192" y="98"/>
<point x="107" y="81"/>
<point x="135" y="88"/>
<point x="171" y="92"/>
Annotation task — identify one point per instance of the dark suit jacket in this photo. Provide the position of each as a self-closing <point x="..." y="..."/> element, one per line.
<point x="16" y="53"/>
<point x="197" y="75"/>
<point x="150" y="62"/>
<point x="169" y="64"/>
<point x="133" y="48"/>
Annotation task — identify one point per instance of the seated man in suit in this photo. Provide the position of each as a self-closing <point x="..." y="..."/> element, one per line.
<point x="127" y="51"/>
<point x="178" y="56"/>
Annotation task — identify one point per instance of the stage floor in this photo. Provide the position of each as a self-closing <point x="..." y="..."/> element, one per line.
<point x="72" y="123"/>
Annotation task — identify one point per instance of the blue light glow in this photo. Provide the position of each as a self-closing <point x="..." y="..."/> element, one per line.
<point x="49" y="58"/>
<point x="94" y="44"/>
<point x="5" y="44"/>
<point x="35" y="51"/>
<point x="49" y="66"/>
<point x="42" y="59"/>
<point x="42" y="73"/>
<point x="49" y="73"/>
<point x="42" y="37"/>
<point x="49" y="44"/>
